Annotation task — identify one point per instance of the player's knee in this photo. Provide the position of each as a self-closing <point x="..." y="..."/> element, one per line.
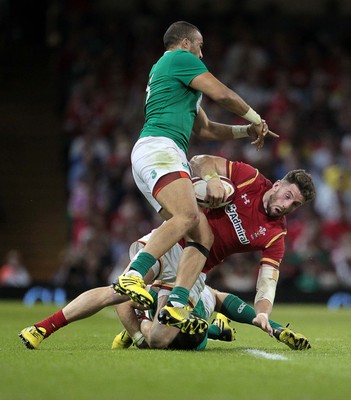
<point x="191" y="219"/>
<point x="209" y="239"/>
<point x="203" y="234"/>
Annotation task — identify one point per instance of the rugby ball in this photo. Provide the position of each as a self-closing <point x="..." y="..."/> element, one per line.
<point x="200" y="191"/>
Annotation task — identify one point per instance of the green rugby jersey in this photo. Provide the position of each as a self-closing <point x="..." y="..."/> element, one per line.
<point x="170" y="104"/>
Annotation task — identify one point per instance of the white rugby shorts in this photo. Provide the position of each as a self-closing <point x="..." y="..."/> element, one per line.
<point x="209" y="302"/>
<point x="165" y="270"/>
<point x="153" y="157"/>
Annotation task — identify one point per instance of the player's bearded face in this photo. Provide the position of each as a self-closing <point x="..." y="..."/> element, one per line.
<point x="283" y="201"/>
<point x="274" y="206"/>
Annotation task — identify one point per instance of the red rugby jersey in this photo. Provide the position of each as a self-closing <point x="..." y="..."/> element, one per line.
<point x="243" y="226"/>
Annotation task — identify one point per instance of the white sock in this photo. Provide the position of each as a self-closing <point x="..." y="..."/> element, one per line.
<point x="132" y="272"/>
<point x="177" y="304"/>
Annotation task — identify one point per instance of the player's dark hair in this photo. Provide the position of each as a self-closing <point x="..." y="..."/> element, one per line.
<point x="303" y="181"/>
<point x="177" y="32"/>
<point x="185" y="341"/>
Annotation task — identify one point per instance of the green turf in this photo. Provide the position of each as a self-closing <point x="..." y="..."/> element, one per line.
<point x="77" y="363"/>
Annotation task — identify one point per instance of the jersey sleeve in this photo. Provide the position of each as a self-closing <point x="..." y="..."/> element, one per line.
<point x="273" y="253"/>
<point x="240" y="173"/>
<point x="186" y="67"/>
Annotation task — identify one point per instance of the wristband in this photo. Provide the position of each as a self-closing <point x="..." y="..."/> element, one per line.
<point x="138" y="339"/>
<point x="266" y="284"/>
<point x="240" y="131"/>
<point x="252" y="116"/>
<point x="210" y="176"/>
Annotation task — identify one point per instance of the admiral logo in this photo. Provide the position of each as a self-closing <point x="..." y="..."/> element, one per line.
<point x="230" y="210"/>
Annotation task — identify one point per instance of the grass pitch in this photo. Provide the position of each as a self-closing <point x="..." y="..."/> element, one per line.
<point x="76" y="363"/>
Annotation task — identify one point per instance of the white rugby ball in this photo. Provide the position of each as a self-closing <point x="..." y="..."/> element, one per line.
<point x="200" y="191"/>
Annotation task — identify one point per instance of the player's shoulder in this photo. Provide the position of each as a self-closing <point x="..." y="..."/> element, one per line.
<point x="241" y="168"/>
<point x="243" y="174"/>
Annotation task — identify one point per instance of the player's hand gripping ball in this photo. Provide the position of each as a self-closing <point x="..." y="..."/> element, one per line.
<point x="200" y="191"/>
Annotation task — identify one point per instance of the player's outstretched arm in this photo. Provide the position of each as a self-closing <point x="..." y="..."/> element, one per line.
<point x="231" y="101"/>
<point x="210" y="130"/>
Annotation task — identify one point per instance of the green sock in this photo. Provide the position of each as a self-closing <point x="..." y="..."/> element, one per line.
<point x="213" y="332"/>
<point x="179" y="295"/>
<point x="275" y="324"/>
<point x="237" y="310"/>
<point x="143" y="263"/>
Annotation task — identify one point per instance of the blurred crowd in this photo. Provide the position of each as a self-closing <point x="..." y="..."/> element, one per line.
<point x="293" y="70"/>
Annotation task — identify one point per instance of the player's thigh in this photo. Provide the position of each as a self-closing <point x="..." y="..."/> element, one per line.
<point x="178" y="198"/>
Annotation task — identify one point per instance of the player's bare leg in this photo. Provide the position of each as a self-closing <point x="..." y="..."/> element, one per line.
<point x="183" y="219"/>
<point x="83" y="306"/>
<point x="91" y="302"/>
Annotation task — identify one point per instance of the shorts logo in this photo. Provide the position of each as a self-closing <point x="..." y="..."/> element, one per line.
<point x="153" y="174"/>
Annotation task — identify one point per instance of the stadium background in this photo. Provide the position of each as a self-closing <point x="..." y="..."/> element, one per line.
<point x="72" y="77"/>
